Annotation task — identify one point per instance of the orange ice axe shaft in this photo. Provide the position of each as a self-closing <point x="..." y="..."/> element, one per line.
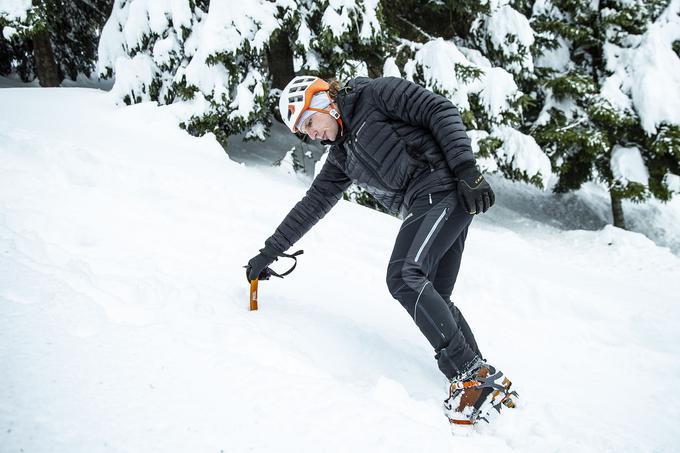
<point x="253" y="294"/>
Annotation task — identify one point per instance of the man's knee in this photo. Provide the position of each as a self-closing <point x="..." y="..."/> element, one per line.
<point x="394" y="279"/>
<point x="400" y="277"/>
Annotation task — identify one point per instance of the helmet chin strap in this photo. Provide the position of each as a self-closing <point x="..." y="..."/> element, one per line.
<point x="332" y="110"/>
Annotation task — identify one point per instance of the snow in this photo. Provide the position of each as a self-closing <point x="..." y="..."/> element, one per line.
<point x="337" y="22"/>
<point x="523" y="153"/>
<point x="557" y="59"/>
<point x="352" y="68"/>
<point x="648" y="71"/>
<point x="672" y="182"/>
<point x="498" y="87"/>
<point x="144" y="16"/>
<point x="124" y="36"/>
<point x="611" y="91"/>
<point x="224" y="30"/>
<point x="486" y="164"/>
<point x="208" y="78"/>
<point x="627" y="165"/>
<point x="165" y="49"/>
<point x="439" y="59"/>
<point x="229" y="25"/>
<point x="370" y="26"/>
<point x="410" y="68"/>
<point x="159" y="24"/>
<point x="656" y="79"/>
<point x="304" y="36"/>
<point x="133" y="75"/>
<point x="475" y="56"/>
<point x="139" y="20"/>
<point x="390" y="68"/>
<point x="244" y="100"/>
<point x="505" y="22"/>
<point x="110" y="48"/>
<point x="8" y="32"/>
<point x="15" y="9"/>
<point x="568" y="106"/>
<point x="124" y="322"/>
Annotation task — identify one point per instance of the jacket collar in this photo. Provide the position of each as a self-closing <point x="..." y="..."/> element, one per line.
<point x="346" y="101"/>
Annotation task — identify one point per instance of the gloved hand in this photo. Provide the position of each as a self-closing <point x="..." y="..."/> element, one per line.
<point x="259" y="263"/>
<point x="473" y="190"/>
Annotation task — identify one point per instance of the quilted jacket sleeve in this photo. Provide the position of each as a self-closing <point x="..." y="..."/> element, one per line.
<point x="325" y="191"/>
<point x="402" y="100"/>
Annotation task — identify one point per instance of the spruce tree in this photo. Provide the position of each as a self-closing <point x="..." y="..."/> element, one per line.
<point x="601" y="118"/>
<point x="478" y="55"/>
<point x="51" y="39"/>
<point x="226" y="63"/>
<point x="19" y="23"/>
<point x="144" y="44"/>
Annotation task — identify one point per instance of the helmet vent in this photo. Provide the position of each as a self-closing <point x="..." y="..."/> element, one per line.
<point x="297" y="95"/>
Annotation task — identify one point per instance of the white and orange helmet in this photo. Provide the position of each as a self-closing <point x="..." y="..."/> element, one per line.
<point x="296" y="98"/>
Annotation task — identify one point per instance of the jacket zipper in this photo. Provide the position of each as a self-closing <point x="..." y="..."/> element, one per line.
<point x="360" y="127"/>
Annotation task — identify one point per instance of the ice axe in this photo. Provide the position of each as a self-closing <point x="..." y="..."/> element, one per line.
<point x="266" y="274"/>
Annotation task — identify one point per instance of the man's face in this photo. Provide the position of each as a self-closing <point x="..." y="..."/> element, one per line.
<point x="320" y="126"/>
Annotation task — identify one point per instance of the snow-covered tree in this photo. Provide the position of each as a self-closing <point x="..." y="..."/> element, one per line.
<point x="50" y="39"/>
<point x="145" y="43"/>
<point x="75" y="27"/>
<point x="609" y="87"/>
<point x="474" y="53"/>
<point x="26" y="37"/>
<point x="222" y="61"/>
<point x="339" y="38"/>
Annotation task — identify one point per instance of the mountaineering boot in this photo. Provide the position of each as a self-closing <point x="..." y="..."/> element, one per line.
<point x="473" y="395"/>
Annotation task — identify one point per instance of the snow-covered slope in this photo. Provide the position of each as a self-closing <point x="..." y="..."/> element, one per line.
<point x="124" y="324"/>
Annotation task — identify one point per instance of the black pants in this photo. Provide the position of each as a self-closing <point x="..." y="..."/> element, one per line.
<point x="422" y="272"/>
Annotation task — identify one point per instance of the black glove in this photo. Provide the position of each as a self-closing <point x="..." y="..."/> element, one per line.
<point x="473" y="190"/>
<point x="257" y="264"/>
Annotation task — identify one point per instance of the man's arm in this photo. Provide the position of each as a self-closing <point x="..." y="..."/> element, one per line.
<point x="409" y="102"/>
<point x="406" y="101"/>
<point x="324" y="193"/>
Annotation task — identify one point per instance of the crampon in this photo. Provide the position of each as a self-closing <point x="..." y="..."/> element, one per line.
<point x="479" y="397"/>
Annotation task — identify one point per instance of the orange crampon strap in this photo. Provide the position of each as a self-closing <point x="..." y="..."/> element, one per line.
<point x="454" y="421"/>
<point x="464" y="385"/>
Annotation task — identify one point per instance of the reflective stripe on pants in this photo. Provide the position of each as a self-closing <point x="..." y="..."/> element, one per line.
<point x="431" y="238"/>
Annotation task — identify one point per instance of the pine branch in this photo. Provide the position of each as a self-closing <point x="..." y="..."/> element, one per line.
<point x="417" y="28"/>
<point x="92" y="6"/>
<point x="572" y="125"/>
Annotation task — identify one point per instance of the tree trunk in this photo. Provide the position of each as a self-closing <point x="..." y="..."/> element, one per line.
<point x="45" y="65"/>
<point x="280" y="59"/>
<point x="617" y="210"/>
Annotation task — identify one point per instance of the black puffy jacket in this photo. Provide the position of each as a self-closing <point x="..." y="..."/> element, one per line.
<point x="399" y="140"/>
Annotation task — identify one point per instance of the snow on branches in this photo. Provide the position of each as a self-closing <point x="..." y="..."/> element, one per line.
<point x="218" y="60"/>
<point x="144" y="43"/>
<point x="489" y="100"/>
<point x="609" y="83"/>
